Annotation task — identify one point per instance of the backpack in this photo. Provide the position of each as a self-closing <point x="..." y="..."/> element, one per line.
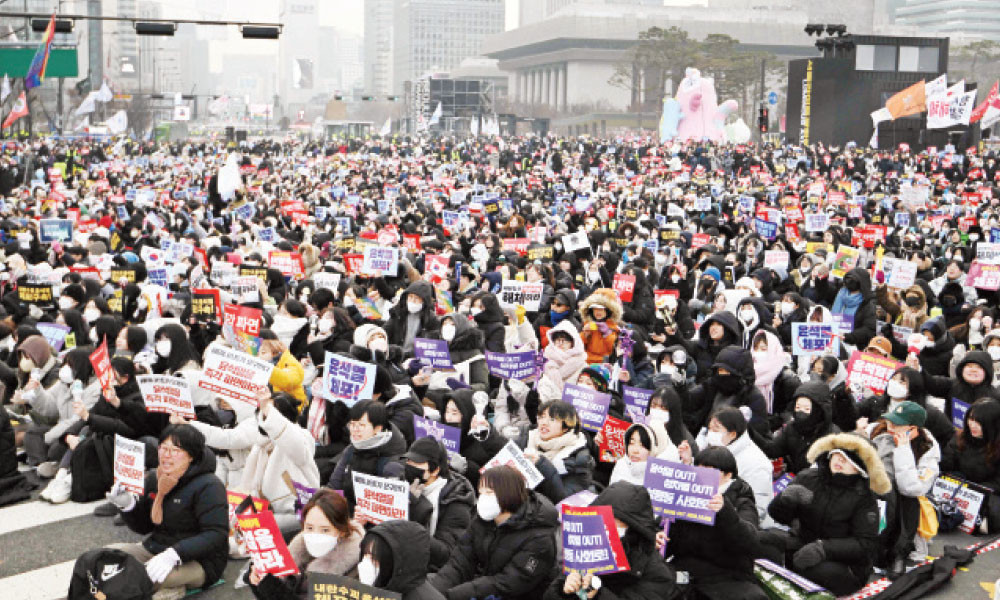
<point x="108" y="574"/>
<point x="92" y="465"/>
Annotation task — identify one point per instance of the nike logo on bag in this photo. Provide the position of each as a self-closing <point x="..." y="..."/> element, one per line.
<point x="111" y="571"/>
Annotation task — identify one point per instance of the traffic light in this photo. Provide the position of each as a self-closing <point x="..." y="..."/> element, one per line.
<point x="762" y="119"/>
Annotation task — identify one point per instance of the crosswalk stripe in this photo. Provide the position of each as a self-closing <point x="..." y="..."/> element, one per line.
<point x="47" y="583"/>
<point x="39" y="512"/>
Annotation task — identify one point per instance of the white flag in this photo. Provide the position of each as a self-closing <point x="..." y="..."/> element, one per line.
<point x="880" y="115"/>
<point x="992" y="116"/>
<point x="946" y="111"/>
<point x="386" y="128"/>
<point x="104" y="94"/>
<point x="436" y="116"/>
<point x="958" y="88"/>
<point x="873" y="143"/>
<point x="118" y="123"/>
<point x="475" y="127"/>
<point x="5" y="90"/>
<point x="938" y="86"/>
<point x="88" y="105"/>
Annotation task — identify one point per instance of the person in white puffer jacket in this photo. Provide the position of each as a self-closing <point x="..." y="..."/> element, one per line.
<point x="235" y="443"/>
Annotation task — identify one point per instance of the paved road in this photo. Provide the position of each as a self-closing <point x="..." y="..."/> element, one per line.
<point x="40" y="541"/>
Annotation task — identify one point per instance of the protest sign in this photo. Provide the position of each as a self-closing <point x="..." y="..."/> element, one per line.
<point x="101" y="361"/>
<point x="958" y="411"/>
<point x="846" y="259"/>
<point x="205" y="305"/>
<point x="581" y="498"/>
<point x="289" y="263"/>
<point x="814" y="339"/>
<point x="243" y="319"/>
<point x="379" y="260"/>
<point x="378" y="499"/>
<point x="347" y="380"/>
<point x="166" y="394"/>
<point x="842" y="324"/>
<point x="437" y="265"/>
<point x="519" y="245"/>
<point x="870" y="371"/>
<point x="779" y="484"/>
<point x="324" y="586"/>
<point x="531" y="296"/>
<point x="234" y="375"/>
<point x="122" y="275"/>
<point x="624" y="286"/>
<point x="55" y="230"/>
<point x="679" y="491"/>
<point x="267" y="549"/>
<point x="541" y="252"/>
<point x="591" y="405"/>
<point x="988" y="253"/>
<point x="766" y="229"/>
<point x="511" y="455"/>
<point x="612" y="446"/>
<point x="775" y="259"/>
<point x="511" y="293"/>
<point x="34" y="293"/>
<point x="55" y="334"/>
<point x="513" y="365"/>
<point x="636" y="397"/>
<point x="899" y="274"/>
<point x="450" y="436"/>
<point x="983" y="276"/>
<point x="590" y="541"/>
<point x="576" y="241"/>
<point x="817" y="222"/>
<point x="968" y="500"/>
<point x="130" y="464"/>
<point x="329" y="281"/>
<point x="434" y="353"/>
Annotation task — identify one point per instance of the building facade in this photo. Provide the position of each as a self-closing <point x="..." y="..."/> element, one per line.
<point x="967" y="18"/>
<point x="378" y="47"/>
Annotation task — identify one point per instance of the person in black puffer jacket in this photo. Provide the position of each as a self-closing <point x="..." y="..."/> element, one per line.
<point x="812" y="420"/>
<point x="935" y="357"/>
<point x="973" y="381"/>
<point x="857" y="299"/>
<point x="475" y="448"/>
<point x="832" y="511"/>
<point x="399" y="551"/>
<point x="974" y="454"/>
<point x="872" y="408"/>
<point x="185" y="511"/>
<point x="376" y="445"/>
<point x="719" y="558"/>
<point x="719" y="331"/>
<point x="731" y="384"/>
<point x="403" y="325"/>
<point x="640" y="312"/>
<point x="648" y="577"/>
<point x="371" y="346"/>
<point x="490" y="320"/>
<point x="510" y="548"/>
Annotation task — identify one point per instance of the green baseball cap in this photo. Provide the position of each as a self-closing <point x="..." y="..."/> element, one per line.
<point x="907" y="413"/>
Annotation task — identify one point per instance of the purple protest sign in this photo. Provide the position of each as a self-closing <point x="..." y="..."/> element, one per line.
<point x="591" y="405"/>
<point x="636" y="397"/>
<point x="590" y="541"/>
<point x="679" y="491"/>
<point x="446" y="434"/>
<point x="434" y="353"/>
<point x="779" y="484"/>
<point x="55" y="334"/>
<point x="303" y="493"/>
<point x="515" y="365"/>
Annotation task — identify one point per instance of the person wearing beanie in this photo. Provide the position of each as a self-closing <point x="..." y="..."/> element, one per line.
<point x="834" y="515"/>
<point x="33" y="353"/>
<point x="562" y="308"/>
<point x="713" y="272"/>
<point x="595" y="377"/>
<point x="371" y="345"/>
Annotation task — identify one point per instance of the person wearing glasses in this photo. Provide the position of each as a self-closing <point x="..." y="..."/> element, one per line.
<point x="182" y="511"/>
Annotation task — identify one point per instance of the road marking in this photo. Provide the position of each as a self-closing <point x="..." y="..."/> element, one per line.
<point x="47" y="583"/>
<point x="39" y="512"/>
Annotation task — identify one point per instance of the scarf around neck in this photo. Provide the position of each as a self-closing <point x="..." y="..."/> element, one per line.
<point x="559" y="447"/>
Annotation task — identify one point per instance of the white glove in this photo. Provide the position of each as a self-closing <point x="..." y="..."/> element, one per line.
<point x="457" y="462"/>
<point x="162" y="564"/>
<point x="121" y="497"/>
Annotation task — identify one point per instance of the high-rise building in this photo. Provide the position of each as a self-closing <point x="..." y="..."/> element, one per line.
<point x="437" y="35"/>
<point x="966" y="18"/>
<point x="378" y="46"/>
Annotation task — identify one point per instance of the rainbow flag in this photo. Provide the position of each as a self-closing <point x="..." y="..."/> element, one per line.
<point x="36" y="72"/>
<point x="444" y="303"/>
<point x="368" y="309"/>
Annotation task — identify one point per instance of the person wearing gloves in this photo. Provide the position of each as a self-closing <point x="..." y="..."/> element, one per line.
<point x="330" y="544"/>
<point x="395" y="557"/>
<point x="812" y="419"/>
<point x="565" y="358"/>
<point x="288" y="374"/>
<point x="510" y="548"/>
<point x="906" y="384"/>
<point x="183" y="512"/>
<point x="648" y="577"/>
<point x="601" y="313"/>
<point x="465" y="345"/>
<point x="371" y="345"/>
<point x="643" y="442"/>
<point x="728" y="429"/>
<point x="445" y="500"/>
<point x="832" y="511"/>
<point x="376" y="445"/>
<point x="910" y="456"/>
<point x="480" y="440"/>
<point x="857" y="300"/>
<point x="719" y="558"/>
<point x="560" y="451"/>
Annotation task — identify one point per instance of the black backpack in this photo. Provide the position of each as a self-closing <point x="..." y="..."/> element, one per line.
<point x="113" y="573"/>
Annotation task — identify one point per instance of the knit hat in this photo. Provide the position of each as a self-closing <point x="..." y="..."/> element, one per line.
<point x="600" y="374"/>
<point x="37" y="349"/>
<point x="364" y="333"/>
<point x="881" y="344"/>
<point x="713" y="272"/>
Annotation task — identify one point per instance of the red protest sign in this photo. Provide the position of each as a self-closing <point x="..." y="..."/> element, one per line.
<point x="411" y="242"/>
<point x="101" y="362"/>
<point x="289" y="263"/>
<point x="624" y="286"/>
<point x="792" y="233"/>
<point x="794" y="213"/>
<point x="244" y="319"/>
<point x="519" y="245"/>
<point x="437" y="265"/>
<point x="267" y="548"/>
<point x="870" y="371"/>
<point x="612" y="445"/>
<point x="353" y="263"/>
<point x="700" y="239"/>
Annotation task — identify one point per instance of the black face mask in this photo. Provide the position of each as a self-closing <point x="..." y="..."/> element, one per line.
<point x="948" y="301"/>
<point x="852" y="285"/>
<point x="802" y="417"/>
<point x="227" y="417"/>
<point x="412" y="473"/>
<point x="727" y="384"/>
<point x="912" y="301"/>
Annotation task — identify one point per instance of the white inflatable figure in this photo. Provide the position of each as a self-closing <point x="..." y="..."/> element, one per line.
<point x="694" y="113"/>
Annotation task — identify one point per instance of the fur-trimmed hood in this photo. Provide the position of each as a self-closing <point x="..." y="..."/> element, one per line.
<point x="605" y="297"/>
<point x="878" y="480"/>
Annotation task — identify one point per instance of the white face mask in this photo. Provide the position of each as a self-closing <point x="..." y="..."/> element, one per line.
<point x="93" y="335"/>
<point x="447" y="332"/>
<point x="414" y="307"/>
<point x="379" y="345"/>
<point x="91" y="315"/>
<point x="487" y="507"/>
<point x="994" y="352"/>
<point x="66" y="374"/>
<point x="895" y="389"/>
<point x="759" y="356"/>
<point x="319" y="544"/>
<point x="475" y="311"/>
<point x="66" y="303"/>
<point x="325" y="325"/>
<point x="725" y="486"/>
<point x="658" y="414"/>
<point x="714" y="438"/>
<point x="622" y="531"/>
<point x="748" y="316"/>
<point x="367" y="571"/>
<point x="787" y="308"/>
<point x="163" y="348"/>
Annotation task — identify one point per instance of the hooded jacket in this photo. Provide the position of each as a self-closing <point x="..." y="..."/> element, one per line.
<point x="705" y="399"/>
<point x="195" y="518"/>
<point x="466" y="350"/>
<point x="704" y="350"/>
<point x="792" y="442"/>
<point x="395" y="327"/>
<point x="544" y="320"/>
<point x="512" y="561"/>
<point x="648" y="577"/>
<point x="600" y="344"/>
<point x="490" y="321"/>
<point x="764" y="320"/>
<point x="864" y="317"/>
<point x="476" y="452"/>
<point x="958" y="389"/>
<point x="936" y="358"/>
<point x="410" y="546"/>
<point x="561" y="367"/>
<point x="286" y="448"/>
<point x="873" y="407"/>
<point x="380" y="461"/>
<point x="456" y="504"/>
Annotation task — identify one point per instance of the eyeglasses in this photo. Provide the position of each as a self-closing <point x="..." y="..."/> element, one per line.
<point x="169" y="450"/>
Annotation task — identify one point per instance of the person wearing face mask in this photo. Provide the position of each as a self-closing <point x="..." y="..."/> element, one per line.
<point x="175" y="355"/>
<point x="972" y="333"/>
<point x="334" y="333"/>
<point x="775" y="380"/>
<point x="972" y="455"/>
<point x="719" y="558"/>
<point x="290" y="325"/>
<point x="857" y="301"/>
<point x="938" y="348"/>
<point x="510" y="548"/>
<point x="643" y="442"/>
<point x="973" y="381"/>
<point x="648" y="577"/>
<point x="961" y="293"/>
<point x="833" y="513"/>
<point x="439" y="497"/>
<point x="719" y="331"/>
<point x="330" y="544"/>
<point x="71" y="297"/>
<point x="811" y="419"/>
<point x="792" y="309"/>
<point x="466" y="346"/>
<point x="562" y="308"/>
<point x="731" y="383"/>
<point x="371" y="345"/>
<point x="910" y="456"/>
<point x="565" y="358"/>
<point x="480" y="440"/>
<point x="412" y="316"/>
<point x="375" y="447"/>
<point x="489" y="318"/>
<point x="908" y="311"/>
<point x="33" y="353"/>
<point x="287" y="375"/>
<point x="991" y="345"/>
<point x="601" y="313"/>
<point x="395" y="556"/>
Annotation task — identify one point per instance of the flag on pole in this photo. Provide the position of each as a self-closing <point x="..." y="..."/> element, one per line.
<point x="118" y="123"/>
<point x="5" y="90"/>
<point x="436" y="117"/>
<point x="937" y="86"/>
<point x="36" y="72"/>
<point x="20" y="110"/>
<point x="908" y="102"/>
<point x="104" y="94"/>
<point x="992" y="99"/>
<point x="88" y="105"/>
<point x="386" y="128"/>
